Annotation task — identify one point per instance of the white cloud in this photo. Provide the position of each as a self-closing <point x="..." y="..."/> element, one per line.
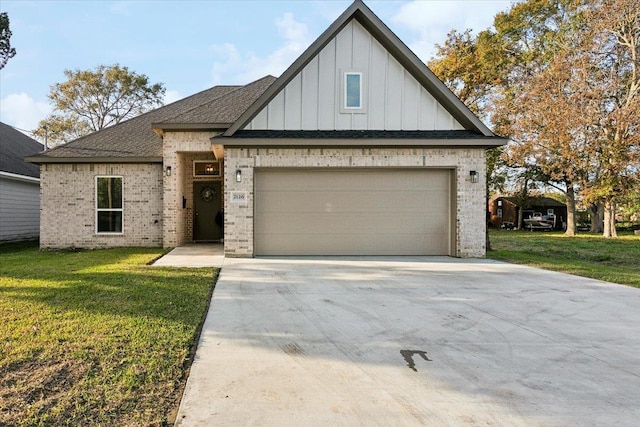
<point x="234" y="67"/>
<point x="432" y="20"/>
<point x="22" y="111"/>
<point x="171" y="96"/>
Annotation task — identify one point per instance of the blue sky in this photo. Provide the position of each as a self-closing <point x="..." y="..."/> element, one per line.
<point x="193" y="45"/>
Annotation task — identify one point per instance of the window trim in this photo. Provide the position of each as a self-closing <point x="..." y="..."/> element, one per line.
<point x="344" y="109"/>
<point x="97" y="209"/>
<point x="346" y="91"/>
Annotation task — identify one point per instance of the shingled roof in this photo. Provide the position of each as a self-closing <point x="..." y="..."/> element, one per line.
<point x="222" y="112"/>
<point x="135" y="140"/>
<point x="14" y="146"/>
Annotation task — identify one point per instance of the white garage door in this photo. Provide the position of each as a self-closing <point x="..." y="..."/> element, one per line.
<point x="353" y="212"/>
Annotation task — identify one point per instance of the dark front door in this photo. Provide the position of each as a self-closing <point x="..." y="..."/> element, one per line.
<point x="207" y="204"/>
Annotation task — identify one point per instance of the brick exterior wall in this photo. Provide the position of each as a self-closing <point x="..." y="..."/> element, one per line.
<point x="180" y="149"/>
<point x="470" y="208"/>
<point x="68" y="207"/>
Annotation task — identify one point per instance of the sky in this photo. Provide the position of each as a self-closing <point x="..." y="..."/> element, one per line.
<point x="190" y="46"/>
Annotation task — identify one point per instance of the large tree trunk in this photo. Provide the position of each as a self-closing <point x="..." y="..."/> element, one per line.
<point x="610" y="219"/>
<point x="519" y="223"/>
<point x="596" y="212"/>
<point x="571" y="211"/>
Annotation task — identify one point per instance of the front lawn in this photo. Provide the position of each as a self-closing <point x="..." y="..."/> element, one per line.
<point x="95" y="337"/>
<point x="588" y="255"/>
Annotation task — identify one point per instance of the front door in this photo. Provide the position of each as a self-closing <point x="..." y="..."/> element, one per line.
<point x="207" y="211"/>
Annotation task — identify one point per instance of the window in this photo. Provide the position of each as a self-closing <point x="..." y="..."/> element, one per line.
<point x="109" y="204"/>
<point x="206" y="168"/>
<point x="550" y="212"/>
<point x="499" y="213"/>
<point x="352" y="90"/>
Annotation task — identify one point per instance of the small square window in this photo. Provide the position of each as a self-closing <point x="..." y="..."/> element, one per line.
<point x="206" y="168"/>
<point x="353" y="90"/>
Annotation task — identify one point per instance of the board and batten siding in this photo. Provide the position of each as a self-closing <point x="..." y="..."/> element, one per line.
<point x="19" y="209"/>
<point x="392" y="98"/>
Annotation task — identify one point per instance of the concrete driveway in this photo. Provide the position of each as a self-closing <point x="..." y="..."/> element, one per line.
<point x="414" y="341"/>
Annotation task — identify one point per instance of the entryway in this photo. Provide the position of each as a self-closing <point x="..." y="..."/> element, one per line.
<point x="208" y="218"/>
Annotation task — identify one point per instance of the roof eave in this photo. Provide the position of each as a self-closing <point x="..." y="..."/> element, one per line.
<point x="190" y="126"/>
<point x="47" y="160"/>
<point x="483" y="142"/>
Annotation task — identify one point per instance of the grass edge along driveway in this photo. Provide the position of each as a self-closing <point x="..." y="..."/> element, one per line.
<point x="95" y="337"/>
<point x="586" y="255"/>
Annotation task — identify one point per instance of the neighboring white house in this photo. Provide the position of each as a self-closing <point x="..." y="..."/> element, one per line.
<point x="19" y="186"/>
<point x="356" y="149"/>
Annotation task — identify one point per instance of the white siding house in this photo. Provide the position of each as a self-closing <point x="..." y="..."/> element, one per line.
<point x="19" y="186"/>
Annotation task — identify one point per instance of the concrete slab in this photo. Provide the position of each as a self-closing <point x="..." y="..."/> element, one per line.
<point x="413" y="341"/>
<point x="193" y="255"/>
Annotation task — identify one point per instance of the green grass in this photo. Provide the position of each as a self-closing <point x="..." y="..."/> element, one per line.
<point x="95" y="337"/>
<point x="588" y="255"/>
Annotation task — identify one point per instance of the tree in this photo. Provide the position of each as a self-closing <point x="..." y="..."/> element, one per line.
<point x="561" y="79"/>
<point x="6" y="51"/>
<point x="613" y="68"/>
<point x="94" y="99"/>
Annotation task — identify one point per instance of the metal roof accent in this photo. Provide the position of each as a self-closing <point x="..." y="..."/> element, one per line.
<point x="359" y="138"/>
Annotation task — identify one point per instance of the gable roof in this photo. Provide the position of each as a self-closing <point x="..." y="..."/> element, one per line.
<point x="14" y="146"/>
<point x="360" y="12"/>
<point x="134" y="140"/>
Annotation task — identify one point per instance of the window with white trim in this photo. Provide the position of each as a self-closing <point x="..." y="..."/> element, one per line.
<point x="109" y="205"/>
<point x="352" y="90"/>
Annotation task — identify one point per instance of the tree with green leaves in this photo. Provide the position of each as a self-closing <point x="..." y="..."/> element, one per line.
<point x="94" y="99"/>
<point x="6" y="51"/>
<point x="612" y="67"/>
<point x="561" y="79"/>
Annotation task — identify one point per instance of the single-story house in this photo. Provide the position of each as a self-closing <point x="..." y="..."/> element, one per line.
<point x="504" y="210"/>
<point x="19" y="186"/>
<point x="356" y="149"/>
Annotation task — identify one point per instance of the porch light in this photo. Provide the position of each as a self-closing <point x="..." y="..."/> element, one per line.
<point x="209" y="168"/>
<point x="168" y="171"/>
<point x="474" y="176"/>
<point x="238" y="175"/>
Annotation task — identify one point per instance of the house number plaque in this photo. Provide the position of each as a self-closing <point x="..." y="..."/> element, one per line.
<point x="239" y="197"/>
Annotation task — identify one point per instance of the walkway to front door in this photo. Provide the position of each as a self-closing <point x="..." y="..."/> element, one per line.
<point x="193" y="255"/>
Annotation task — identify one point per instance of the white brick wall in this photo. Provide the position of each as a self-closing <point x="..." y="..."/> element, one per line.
<point x="67" y="207"/>
<point x="470" y="197"/>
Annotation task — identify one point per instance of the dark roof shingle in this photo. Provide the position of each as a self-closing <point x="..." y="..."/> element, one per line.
<point x="14" y="146"/>
<point x="135" y="139"/>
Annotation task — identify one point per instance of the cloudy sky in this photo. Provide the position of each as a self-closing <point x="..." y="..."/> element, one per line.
<point x="193" y="45"/>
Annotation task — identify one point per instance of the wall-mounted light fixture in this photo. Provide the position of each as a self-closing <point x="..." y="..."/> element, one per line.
<point x="474" y="176"/>
<point x="238" y="175"/>
<point x="168" y="171"/>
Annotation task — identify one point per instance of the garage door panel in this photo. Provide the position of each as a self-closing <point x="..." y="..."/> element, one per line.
<point x="347" y="223"/>
<point x="350" y="244"/>
<point x="351" y="212"/>
<point x="392" y="180"/>
<point x="344" y="201"/>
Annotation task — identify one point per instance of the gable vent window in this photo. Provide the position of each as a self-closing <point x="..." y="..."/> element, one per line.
<point x="109" y="204"/>
<point x="352" y="91"/>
